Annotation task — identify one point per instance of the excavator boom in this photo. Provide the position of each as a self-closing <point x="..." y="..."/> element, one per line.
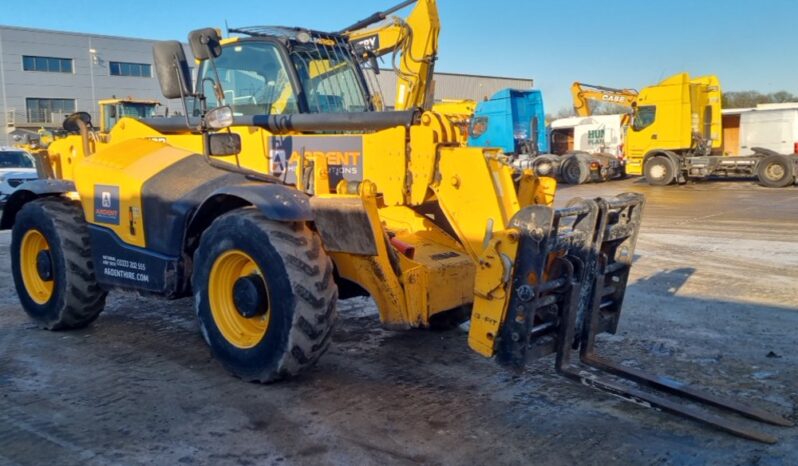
<point x="413" y="41"/>
<point x="582" y="93"/>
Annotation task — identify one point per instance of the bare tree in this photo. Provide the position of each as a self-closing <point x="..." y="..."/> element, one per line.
<point x="745" y="99"/>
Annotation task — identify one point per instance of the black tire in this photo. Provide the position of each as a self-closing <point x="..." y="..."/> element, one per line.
<point x="775" y="171"/>
<point x="575" y="169"/>
<point x="76" y="298"/>
<point x="300" y="289"/>
<point x="659" y="171"/>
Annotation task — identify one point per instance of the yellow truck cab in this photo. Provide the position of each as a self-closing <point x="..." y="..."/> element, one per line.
<point x="673" y="116"/>
<point x="677" y="135"/>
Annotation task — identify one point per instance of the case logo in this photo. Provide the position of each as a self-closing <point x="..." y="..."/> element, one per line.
<point x="106" y="204"/>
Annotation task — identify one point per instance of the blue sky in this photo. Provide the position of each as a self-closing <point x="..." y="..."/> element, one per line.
<point x="622" y="43"/>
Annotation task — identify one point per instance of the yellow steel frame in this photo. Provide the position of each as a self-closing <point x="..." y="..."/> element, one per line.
<point x="415" y="40"/>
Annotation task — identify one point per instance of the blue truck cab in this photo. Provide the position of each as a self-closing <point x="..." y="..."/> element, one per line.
<point x="513" y="120"/>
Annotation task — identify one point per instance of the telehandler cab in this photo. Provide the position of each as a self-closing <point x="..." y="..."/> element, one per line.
<point x="289" y="204"/>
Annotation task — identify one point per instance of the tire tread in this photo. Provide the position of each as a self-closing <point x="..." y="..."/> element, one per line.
<point x="84" y="300"/>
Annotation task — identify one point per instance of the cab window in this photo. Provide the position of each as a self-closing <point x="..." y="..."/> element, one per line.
<point x="329" y="79"/>
<point x="644" y="117"/>
<point x="254" y="80"/>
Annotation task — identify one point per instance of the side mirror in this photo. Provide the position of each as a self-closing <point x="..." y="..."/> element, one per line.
<point x="172" y="69"/>
<point x="72" y="125"/>
<point x="205" y="43"/>
<point x="222" y="144"/>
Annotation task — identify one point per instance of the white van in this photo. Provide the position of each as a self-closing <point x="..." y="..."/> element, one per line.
<point x="769" y="126"/>
<point x="592" y="134"/>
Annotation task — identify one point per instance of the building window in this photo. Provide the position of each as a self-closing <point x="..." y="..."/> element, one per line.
<point x="49" y="64"/>
<point x="140" y="70"/>
<point x="48" y="110"/>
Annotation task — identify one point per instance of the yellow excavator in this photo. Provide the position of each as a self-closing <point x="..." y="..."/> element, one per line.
<point x="413" y="43"/>
<point x="290" y="190"/>
<point x="583" y="94"/>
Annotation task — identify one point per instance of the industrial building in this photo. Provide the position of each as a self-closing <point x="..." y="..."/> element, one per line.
<point x="46" y="75"/>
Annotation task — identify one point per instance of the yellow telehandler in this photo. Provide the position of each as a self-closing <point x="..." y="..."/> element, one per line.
<point x="300" y="193"/>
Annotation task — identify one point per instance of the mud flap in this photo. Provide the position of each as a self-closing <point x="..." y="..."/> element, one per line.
<point x="344" y="224"/>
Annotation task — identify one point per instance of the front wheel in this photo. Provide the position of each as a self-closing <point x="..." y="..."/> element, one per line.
<point x="264" y="295"/>
<point x="775" y="171"/>
<point x="659" y="171"/>
<point x="52" y="265"/>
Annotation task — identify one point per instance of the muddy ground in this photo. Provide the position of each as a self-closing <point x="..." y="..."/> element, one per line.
<point x="713" y="299"/>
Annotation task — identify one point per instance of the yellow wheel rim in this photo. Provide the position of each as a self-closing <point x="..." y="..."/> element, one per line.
<point x="242" y="332"/>
<point x="39" y="289"/>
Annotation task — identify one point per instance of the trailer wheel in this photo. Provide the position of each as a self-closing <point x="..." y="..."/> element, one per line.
<point x="575" y="169"/>
<point x="659" y="171"/>
<point x="775" y="171"/>
<point x="264" y="295"/>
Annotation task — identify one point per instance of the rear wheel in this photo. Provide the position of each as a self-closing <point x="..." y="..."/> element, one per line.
<point x="775" y="171"/>
<point x="52" y="265"/>
<point x="575" y="169"/>
<point x="264" y="295"/>
<point x="659" y="171"/>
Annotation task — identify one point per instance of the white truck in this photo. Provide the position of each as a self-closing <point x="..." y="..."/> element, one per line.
<point x="585" y="149"/>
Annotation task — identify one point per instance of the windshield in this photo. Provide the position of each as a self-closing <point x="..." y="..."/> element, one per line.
<point x="114" y="111"/>
<point x="15" y="159"/>
<point x="137" y="110"/>
<point x="253" y="78"/>
<point x="329" y="78"/>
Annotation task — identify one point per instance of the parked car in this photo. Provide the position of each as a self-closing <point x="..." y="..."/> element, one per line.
<point x="16" y="167"/>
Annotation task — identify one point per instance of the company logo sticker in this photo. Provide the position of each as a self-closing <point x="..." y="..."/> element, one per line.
<point x="344" y="155"/>
<point x="368" y="43"/>
<point x="106" y="204"/>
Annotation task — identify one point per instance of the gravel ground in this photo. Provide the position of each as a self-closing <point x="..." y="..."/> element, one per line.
<point x="713" y="299"/>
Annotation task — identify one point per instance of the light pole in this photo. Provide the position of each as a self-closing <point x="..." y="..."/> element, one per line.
<point x="92" y="62"/>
